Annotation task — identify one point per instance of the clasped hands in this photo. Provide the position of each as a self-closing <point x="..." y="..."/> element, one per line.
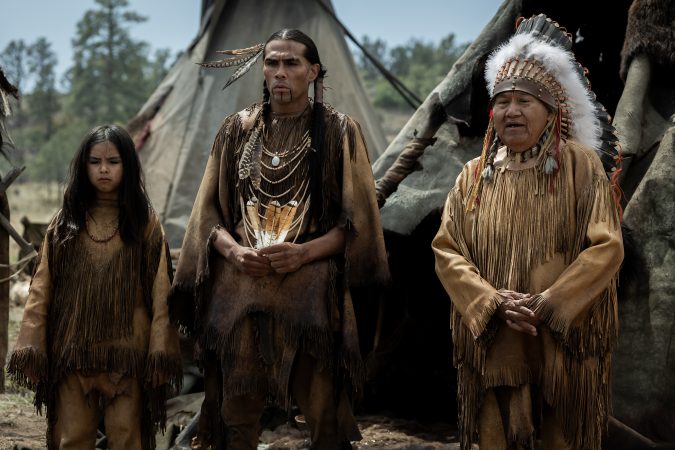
<point x="285" y="257"/>
<point x="516" y="312"/>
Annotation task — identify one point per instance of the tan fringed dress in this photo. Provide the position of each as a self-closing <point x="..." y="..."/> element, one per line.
<point x="96" y="319"/>
<point x="557" y="238"/>
<point x="257" y="326"/>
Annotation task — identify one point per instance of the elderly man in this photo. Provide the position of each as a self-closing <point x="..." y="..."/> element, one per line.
<point x="284" y="224"/>
<point x="528" y="250"/>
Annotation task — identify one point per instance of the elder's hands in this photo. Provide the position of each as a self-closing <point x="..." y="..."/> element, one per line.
<point x="514" y="310"/>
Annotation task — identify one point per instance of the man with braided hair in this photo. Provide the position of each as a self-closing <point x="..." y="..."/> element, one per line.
<point x="528" y="250"/>
<point x="285" y="223"/>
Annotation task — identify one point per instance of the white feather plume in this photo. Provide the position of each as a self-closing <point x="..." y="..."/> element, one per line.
<point x="585" y="127"/>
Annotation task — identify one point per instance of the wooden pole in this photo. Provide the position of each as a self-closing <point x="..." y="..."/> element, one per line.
<point x="4" y="290"/>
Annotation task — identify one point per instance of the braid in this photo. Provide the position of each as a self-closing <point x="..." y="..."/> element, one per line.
<point x="489" y="170"/>
<point x="318" y="128"/>
<point x="317" y="159"/>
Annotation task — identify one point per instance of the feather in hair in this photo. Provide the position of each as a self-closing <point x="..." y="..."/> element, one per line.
<point x="244" y="58"/>
<point x="227" y="62"/>
<point x="243" y="51"/>
<point x="243" y="69"/>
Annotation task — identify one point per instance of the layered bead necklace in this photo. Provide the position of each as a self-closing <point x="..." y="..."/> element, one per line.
<point x="277" y="197"/>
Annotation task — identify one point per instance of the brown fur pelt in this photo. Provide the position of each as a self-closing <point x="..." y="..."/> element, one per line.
<point x="650" y="30"/>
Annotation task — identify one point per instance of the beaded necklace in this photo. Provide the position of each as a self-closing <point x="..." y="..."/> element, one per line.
<point x="99" y="240"/>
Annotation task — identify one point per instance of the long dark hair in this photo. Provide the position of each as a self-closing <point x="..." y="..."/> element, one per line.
<point x="79" y="195"/>
<point x="318" y="122"/>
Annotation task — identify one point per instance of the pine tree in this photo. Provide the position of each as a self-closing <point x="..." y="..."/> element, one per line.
<point x="108" y="82"/>
<point x="44" y="99"/>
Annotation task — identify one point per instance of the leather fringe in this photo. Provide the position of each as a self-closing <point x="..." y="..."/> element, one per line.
<point x="186" y="300"/>
<point x="527" y="243"/>
<point x="99" y="358"/>
<point x="93" y="307"/>
<point x="337" y="130"/>
<point x="597" y="193"/>
<point x="469" y="398"/>
<point x="579" y="390"/>
<point x="88" y="309"/>
<point x="170" y="365"/>
<point x="93" y="303"/>
<point x="318" y="342"/>
<point x="469" y="359"/>
<point x="28" y="359"/>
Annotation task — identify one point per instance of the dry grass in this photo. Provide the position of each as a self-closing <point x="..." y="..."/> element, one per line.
<point x="19" y="423"/>
<point x="37" y="201"/>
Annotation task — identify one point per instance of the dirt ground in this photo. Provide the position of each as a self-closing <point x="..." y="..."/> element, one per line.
<point x="19" y="424"/>
<point x="22" y="429"/>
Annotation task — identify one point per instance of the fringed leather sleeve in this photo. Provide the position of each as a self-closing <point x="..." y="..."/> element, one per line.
<point x="474" y="300"/>
<point x="164" y="357"/>
<point x="213" y="206"/>
<point x="30" y="352"/>
<point x="580" y="307"/>
<point x="365" y="255"/>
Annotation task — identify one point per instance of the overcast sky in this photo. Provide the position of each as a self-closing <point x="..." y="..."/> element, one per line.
<point x="173" y="23"/>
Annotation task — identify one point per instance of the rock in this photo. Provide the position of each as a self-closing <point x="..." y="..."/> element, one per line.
<point x="18" y="292"/>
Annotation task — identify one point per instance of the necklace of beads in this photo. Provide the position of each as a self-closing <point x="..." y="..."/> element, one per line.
<point x="99" y="240"/>
<point x="276" y="156"/>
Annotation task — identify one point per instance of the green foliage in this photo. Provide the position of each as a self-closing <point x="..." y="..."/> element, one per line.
<point x="108" y="82"/>
<point x="44" y="99"/>
<point x="110" y="79"/>
<point x="419" y="65"/>
<point x="378" y="49"/>
<point x="51" y="163"/>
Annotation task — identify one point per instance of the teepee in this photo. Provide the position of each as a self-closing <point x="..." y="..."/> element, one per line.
<point x="175" y="128"/>
<point x="631" y="63"/>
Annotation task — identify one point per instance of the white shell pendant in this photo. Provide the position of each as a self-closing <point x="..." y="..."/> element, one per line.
<point x="275" y="161"/>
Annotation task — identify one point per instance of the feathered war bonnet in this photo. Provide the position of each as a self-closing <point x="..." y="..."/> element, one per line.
<point x="538" y="60"/>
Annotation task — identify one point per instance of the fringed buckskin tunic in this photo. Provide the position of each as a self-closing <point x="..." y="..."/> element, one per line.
<point x="557" y="238"/>
<point x="309" y="310"/>
<point x="100" y="308"/>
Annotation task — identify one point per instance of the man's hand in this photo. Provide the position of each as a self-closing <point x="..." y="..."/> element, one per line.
<point x="286" y="257"/>
<point x="515" y="312"/>
<point x="249" y="261"/>
<point x="245" y="259"/>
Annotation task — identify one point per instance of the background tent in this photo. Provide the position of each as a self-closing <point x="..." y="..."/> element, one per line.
<point x="630" y="53"/>
<point x="175" y="128"/>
